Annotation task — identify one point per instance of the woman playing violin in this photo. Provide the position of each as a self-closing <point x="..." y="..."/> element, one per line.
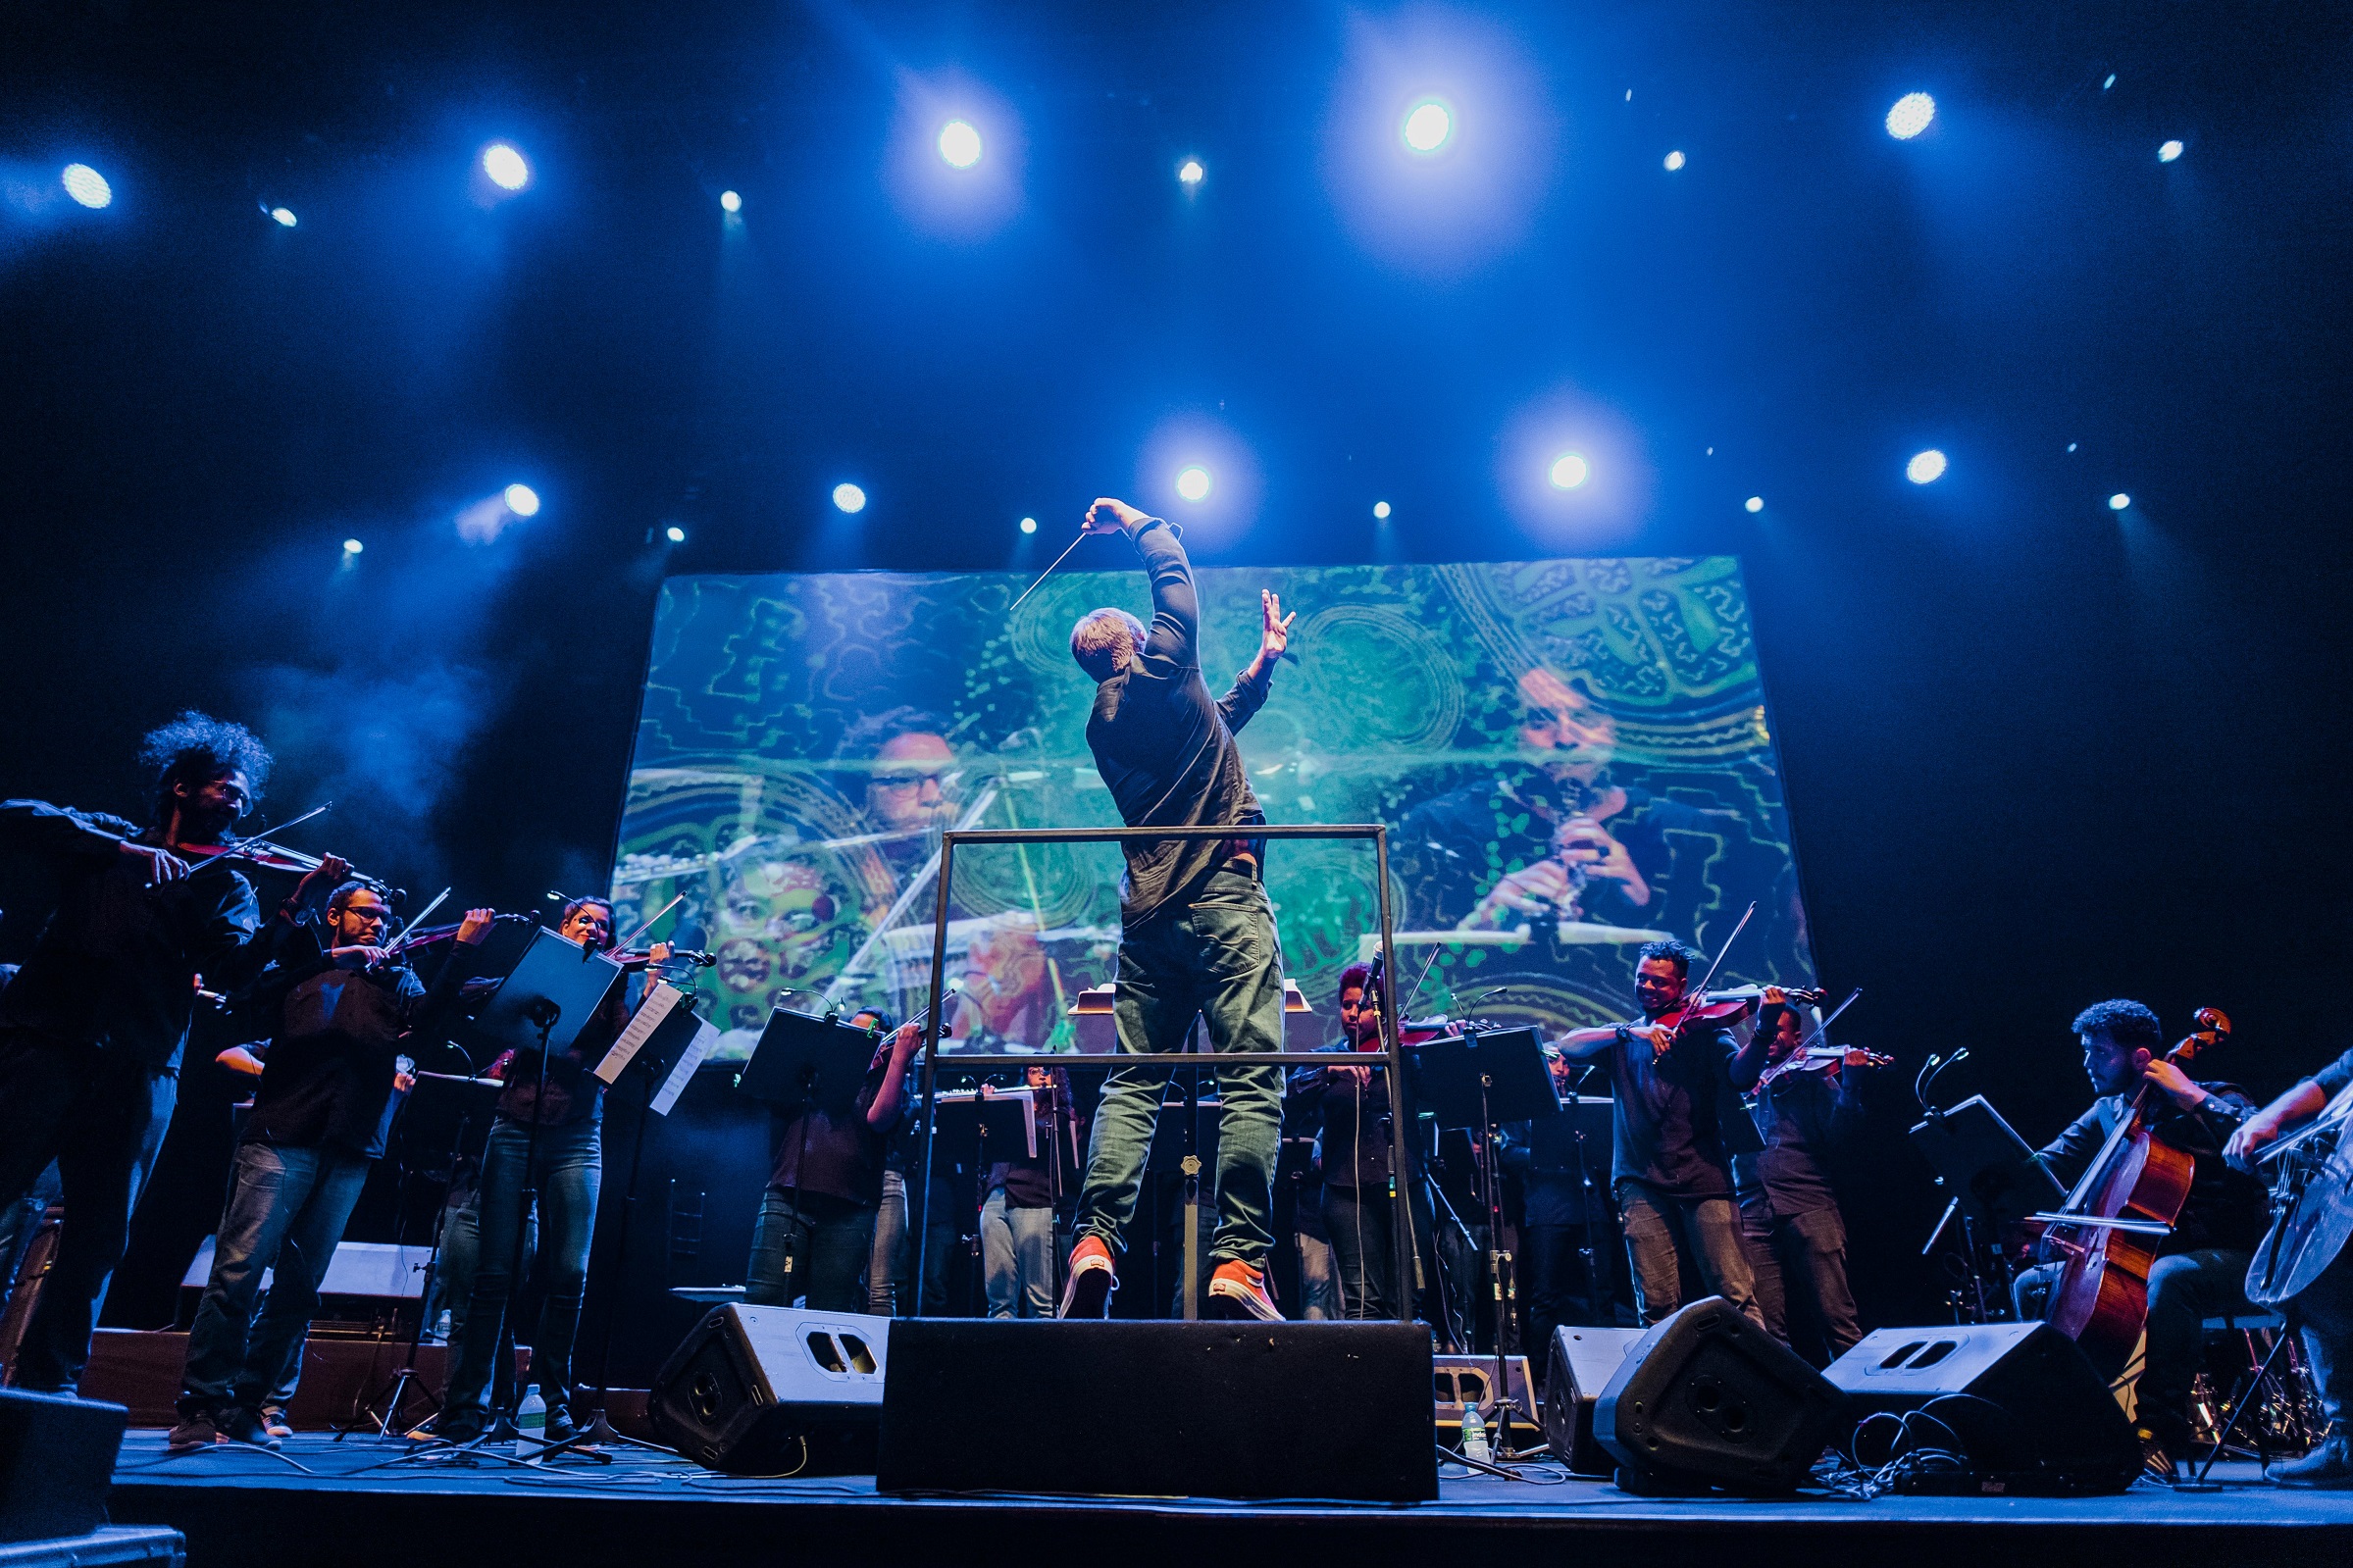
<point x="1677" y="1122"/>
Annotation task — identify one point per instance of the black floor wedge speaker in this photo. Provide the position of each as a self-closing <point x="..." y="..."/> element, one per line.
<point x="751" y="1387"/>
<point x="57" y="1461"/>
<point x="1239" y="1410"/>
<point x="1708" y="1398"/>
<point x="1583" y="1362"/>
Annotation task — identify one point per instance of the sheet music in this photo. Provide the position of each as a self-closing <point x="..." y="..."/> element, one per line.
<point x="660" y="1000"/>
<point x="701" y="1047"/>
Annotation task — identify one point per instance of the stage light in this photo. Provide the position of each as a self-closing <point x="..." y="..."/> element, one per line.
<point x="1910" y="115"/>
<point x="675" y="534"/>
<point x="352" y="546"/>
<point x="1029" y="524"/>
<point x="1755" y="503"/>
<point x="959" y="144"/>
<point x="1926" y="468"/>
<point x="2110" y="82"/>
<point x="1569" y="471"/>
<point x="849" y="498"/>
<point x="730" y="202"/>
<point x="505" y="167"/>
<point x="1380" y="508"/>
<point x="1427" y="126"/>
<point x="2118" y="501"/>
<point x="1193" y="482"/>
<point x="1191" y="172"/>
<point x="88" y="186"/>
<point x="282" y="217"/>
<point x="1674" y="161"/>
<point x="2169" y="152"/>
<point x="521" y="500"/>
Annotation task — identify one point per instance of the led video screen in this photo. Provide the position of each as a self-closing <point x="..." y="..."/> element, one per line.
<point x="1572" y="757"/>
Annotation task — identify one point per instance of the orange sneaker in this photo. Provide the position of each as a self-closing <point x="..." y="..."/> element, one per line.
<point x="1087" y="1293"/>
<point x="1238" y="1290"/>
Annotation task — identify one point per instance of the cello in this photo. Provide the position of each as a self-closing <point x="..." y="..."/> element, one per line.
<point x="2311" y="1195"/>
<point x="2108" y="1233"/>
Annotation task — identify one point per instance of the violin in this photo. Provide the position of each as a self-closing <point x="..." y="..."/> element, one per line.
<point x="1724" y="1008"/>
<point x="1822" y="1059"/>
<point x="643" y="957"/>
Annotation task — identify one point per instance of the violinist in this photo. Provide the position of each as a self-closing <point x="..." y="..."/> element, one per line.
<point x="1678" y="1123"/>
<point x="332" y="1073"/>
<point x="2322" y="1309"/>
<point x="92" y="1027"/>
<point x="1797" y="1237"/>
<point x="2201" y="1267"/>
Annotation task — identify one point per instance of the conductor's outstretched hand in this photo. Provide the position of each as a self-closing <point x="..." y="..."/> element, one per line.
<point x="1110" y="514"/>
<point x="1275" y="633"/>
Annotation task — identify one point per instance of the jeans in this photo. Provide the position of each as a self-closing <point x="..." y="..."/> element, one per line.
<point x="1318" y="1280"/>
<point x="1558" y="1287"/>
<point x="1666" y="1234"/>
<point x="1362" y="1231"/>
<point x="2185" y="1289"/>
<point x="2324" y="1311"/>
<point x="102" y="1118"/>
<point x="286" y="1210"/>
<point x="1017" y="1256"/>
<point x="893" y="1255"/>
<point x="1810" y="1248"/>
<point x="1217" y="956"/>
<point x="569" y="1171"/>
<point x="810" y="1245"/>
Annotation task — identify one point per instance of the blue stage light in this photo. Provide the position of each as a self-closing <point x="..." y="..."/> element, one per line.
<point x="2169" y="151"/>
<point x="522" y="500"/>
<point x="352" y="546"/>
<point x="730" y="202"/>
<point x="675" y="534"/>
<point x="2118" y="501"/>
<point x="282" y="217"/>
<point x="1568" y="471"/>
<point x="1427" y="126"/>
<point x="1926" y="468"/>
<point x="1029" y="524"/>
<point x="959" y="144"/>
<point x="88" y="186"/>
<point x="1380" y="508"/>
<point x="1910" y="115"/>
<point x="505" y="167"/>
<point x="1755" y="503"/>
<point x="1191" y="172"/>
<point x="1674" y="161"/>
<point x="849" y="498"/>
<point x="1193" y="482"/>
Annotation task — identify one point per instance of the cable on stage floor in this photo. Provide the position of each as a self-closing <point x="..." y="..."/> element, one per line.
<point x="171" y="1458"/>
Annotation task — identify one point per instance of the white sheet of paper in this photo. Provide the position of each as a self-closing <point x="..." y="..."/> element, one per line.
<point x="705" y="1040"/>
<point x="659" y="1001"/>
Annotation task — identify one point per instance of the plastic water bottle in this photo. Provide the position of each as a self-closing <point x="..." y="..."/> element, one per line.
<point x="530" y="1424"/>
<point x="1475" y="1436"/>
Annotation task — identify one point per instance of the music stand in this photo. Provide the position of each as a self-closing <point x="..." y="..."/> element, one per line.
<point x="1993" y="1175"/>
<point x="1481" y="1081"/>
<point x="997" y="1118"/>
<point x="808" y="1063"/>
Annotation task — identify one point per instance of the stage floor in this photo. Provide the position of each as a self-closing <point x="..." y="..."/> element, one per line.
<point x="364" y="1501"/>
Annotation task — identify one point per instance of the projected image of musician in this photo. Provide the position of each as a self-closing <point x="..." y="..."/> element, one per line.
<point x="2201" y="1264"/>
<point x="1196" y="932"/>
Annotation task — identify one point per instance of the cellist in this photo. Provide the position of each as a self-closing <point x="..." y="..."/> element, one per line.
<point x="2202" y="1265"/>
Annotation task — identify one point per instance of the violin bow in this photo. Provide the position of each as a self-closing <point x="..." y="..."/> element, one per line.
<point x="1822" y="1029"/>
<point x="1692" y="998"/>
<point x="417" y="921"/>
<point x="257" y="841"/>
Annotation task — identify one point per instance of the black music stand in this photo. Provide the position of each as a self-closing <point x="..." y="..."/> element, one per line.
<point x="997" y="1118"/>
<point x="1993" y="1175"/>
<point x="805" y="1063"/>
<point x="1479" y="1081"/>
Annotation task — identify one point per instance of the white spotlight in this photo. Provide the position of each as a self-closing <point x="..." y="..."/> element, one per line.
<point x="1191" y="172"/>
<point x="1380" y="508"/>
<point x="282" y="217"/>
<point x="88" y="186"/>
<point x="849" y="498"/>
<point x="1029" y="524"/>
<point x="2118" y="501"/>
<point x="959" y="144"/>
<point x="730" y="202"/>
<point x="505" y="167"/>
<point x="522" y="500"/>
<point x="1427" y="126"/>
<point x="352" y="546"/>
<point x="1755" y="503"/>
<point x="2169" y="152"/>
<point x="1926" y="468"/>
<point x="1193" y="482"/>
<point x="1910" y="115"/>
<point x="675" y="534"/>
<point x="1569" y="471"/>
<point x="1674" y="160"/>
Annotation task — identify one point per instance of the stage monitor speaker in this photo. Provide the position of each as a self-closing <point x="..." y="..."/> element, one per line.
<point x="749" y="1385"/>
<point x="2022" y="1399"/>
<point x="1706" y="1397"/>
<point x="1467" y="1381"/>
<point x="57" y="1461"/>
<point x="1240" y="1410"/>
<point x="1583" y="1362"/>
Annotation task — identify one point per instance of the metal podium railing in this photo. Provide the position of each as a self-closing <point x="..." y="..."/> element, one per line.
<point x="1405" y="1261"/>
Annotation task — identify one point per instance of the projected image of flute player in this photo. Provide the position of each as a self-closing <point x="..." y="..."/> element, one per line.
<point x="1197" y="933"/>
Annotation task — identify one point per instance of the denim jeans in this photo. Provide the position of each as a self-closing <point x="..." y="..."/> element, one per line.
<point x="569" y="1171"/>
<point x="2325" y="1310"/>
<point x="1808" y="1250"/>
<point x="102" y="1118"/>
<point x="810" y="1245"/>
<point x="1364" y="1242"/>
<point x="286" y="1210"/>
<point x="1017" y="1258"/>
<point x="1318" y="1280"/>
<point x="1556" y="1288"/>
<point x="893" y="1255"/>
<point x="1217" y="956"/>
<point x="1666" y="1236"/>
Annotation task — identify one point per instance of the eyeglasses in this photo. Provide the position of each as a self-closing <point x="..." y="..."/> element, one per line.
<point x="903" y="782"/>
